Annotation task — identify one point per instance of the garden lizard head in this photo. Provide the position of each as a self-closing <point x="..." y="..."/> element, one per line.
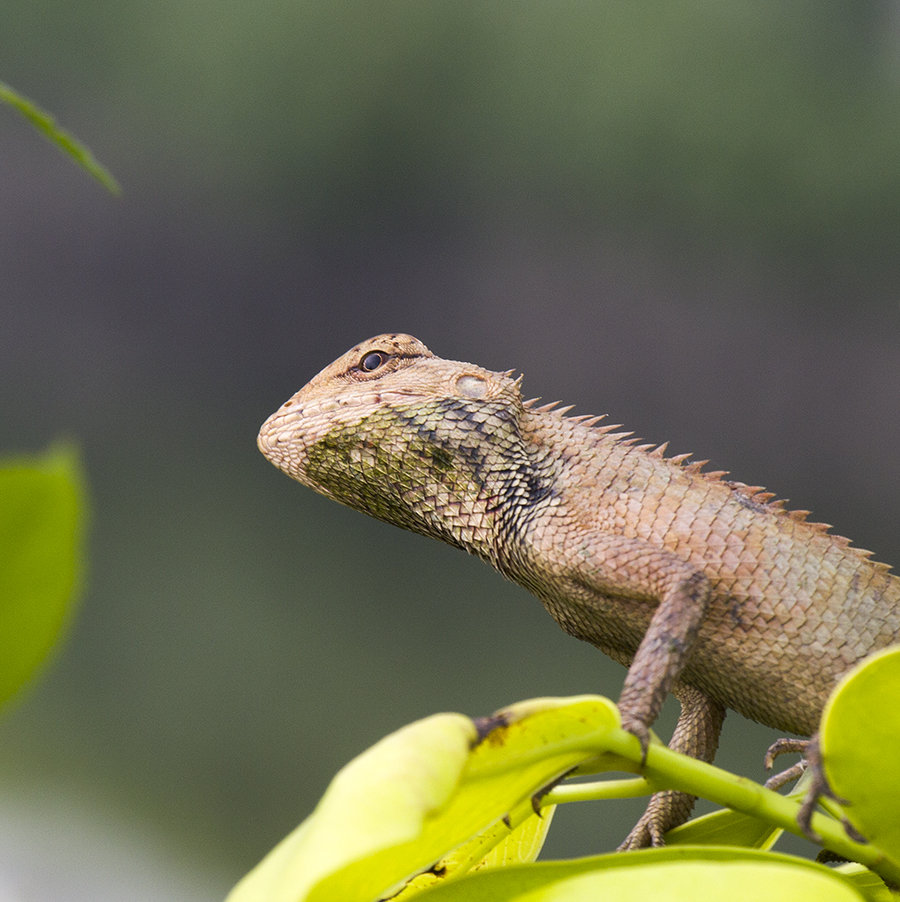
<point x="400" y="434"/>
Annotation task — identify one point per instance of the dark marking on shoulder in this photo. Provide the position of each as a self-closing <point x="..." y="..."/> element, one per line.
<point x="537" y="489"/>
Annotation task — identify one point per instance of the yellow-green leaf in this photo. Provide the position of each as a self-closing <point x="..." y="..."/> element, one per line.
<point x="725" y="828"/>
<point x="422" y="792"/>
<point x="867" y="882"/>
<point x="41" y="532"/>
<point x="514" y="840"/>
<point x="521" y="845"/>
<point x="860" y="736"/>
<point x="358" y="840"/>
<point x="675" y="875"/>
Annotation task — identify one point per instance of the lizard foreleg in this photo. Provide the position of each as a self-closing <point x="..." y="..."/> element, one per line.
<point x="632" y="569"/>
<point x="643" y="576"/>
<point x="663" y="651"/>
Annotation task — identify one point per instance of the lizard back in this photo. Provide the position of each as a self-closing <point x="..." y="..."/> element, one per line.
<point x="793" y="606"/>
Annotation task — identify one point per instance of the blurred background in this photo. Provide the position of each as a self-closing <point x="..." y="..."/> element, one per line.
<point x="685" y="215"/>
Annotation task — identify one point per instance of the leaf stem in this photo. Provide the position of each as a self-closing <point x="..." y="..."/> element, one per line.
<point x="628" y="788"/>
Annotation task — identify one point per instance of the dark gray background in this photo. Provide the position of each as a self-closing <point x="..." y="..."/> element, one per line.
<point x="681" y="214"/>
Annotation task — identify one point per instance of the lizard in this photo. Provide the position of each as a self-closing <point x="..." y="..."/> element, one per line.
<point x="703" y="587"/>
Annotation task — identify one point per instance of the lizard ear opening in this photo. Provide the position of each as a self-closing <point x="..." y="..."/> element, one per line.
<point x="471" y="386"/>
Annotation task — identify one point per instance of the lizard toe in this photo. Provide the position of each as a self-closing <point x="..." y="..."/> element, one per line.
<point x="664" y="811"/>
<point x="785" y="747"/>
<point x="644" y="835"/>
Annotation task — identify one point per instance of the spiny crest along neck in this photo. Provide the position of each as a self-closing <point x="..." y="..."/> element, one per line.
<point x="411" y="438"/>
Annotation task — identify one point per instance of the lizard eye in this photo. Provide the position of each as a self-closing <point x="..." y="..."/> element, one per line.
<point x="372" y="361"/>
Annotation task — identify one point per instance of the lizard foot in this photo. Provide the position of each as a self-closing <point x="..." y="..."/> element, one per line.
<point x="664" y="811"/>
<point x="786" y="747"/>
<point x="818" y="787"/>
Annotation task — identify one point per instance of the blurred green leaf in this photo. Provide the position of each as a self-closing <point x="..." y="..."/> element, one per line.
<point x="41" y="530"/>
<point x="46" y="124"/>
<point x="860" y="735"/>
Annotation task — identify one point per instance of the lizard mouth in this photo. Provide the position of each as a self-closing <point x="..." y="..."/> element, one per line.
<point x="274" y="435"/>
<point x="267" y="443"/>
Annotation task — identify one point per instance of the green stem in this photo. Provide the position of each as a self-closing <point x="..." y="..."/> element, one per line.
<point x="665" y="769"/>
<point x="668" y="769"/>
<point x="630" y="788"/>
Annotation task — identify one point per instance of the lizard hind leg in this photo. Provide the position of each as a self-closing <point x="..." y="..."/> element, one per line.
<point x="696" y="734"/>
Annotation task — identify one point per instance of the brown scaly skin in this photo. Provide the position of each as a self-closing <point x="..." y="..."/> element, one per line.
<point x="702" y="587"/>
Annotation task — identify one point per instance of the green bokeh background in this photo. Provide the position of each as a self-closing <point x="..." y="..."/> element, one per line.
<point x="685" y="215"/>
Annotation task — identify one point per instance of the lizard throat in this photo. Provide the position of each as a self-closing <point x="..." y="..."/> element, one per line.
<point x="449" y="468"/>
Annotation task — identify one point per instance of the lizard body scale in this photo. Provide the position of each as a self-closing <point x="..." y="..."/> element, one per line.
<point x="701" y="586"/>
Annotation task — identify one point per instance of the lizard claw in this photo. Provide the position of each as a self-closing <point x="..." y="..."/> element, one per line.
<point x="640" y="731"/>
<point x="782" y="778"/>
<point x="818" y="785"/>
<point x="795" y="771"/>
<point x="538" y="797"/>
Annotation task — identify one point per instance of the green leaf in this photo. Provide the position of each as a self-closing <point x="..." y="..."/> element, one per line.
<point x="725" y="828"/>
<point x="70" y="145"/>
<point x="422" y="792"/>
<point x="867" y="882"/>
<point x="434" y="796"/>
<point x="523" y="844"/>
<point x="676" y="875"/>
<point x="41" y="532"/>
<point x="860" y="735"/>
<point x="517" y="839"/>
<point x="357" y="840"/>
